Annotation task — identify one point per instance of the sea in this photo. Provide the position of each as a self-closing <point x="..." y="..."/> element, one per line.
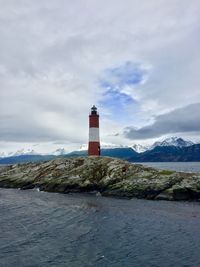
<point x="175" y="166"/>
<point x="41" y="229"/>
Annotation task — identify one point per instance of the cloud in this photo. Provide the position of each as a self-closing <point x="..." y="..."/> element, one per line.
<point x="182" y="120"/>
<point x="54" y="65"/>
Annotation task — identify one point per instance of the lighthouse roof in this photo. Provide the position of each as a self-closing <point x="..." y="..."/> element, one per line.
<point x="93" y="110"/>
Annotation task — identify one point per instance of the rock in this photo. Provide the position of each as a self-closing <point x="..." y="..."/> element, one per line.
<point x="164" y="196"/>
<point x="108" y="176"/>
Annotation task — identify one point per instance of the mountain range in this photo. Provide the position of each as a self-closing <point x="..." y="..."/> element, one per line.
<point x="171" y="141"/>
<point x="170" y="149"/>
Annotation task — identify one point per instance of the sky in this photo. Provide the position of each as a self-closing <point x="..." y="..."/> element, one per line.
<point x="137" y="61"/>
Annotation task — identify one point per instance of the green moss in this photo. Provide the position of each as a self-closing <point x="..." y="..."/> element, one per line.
<point x="166" y="172"/>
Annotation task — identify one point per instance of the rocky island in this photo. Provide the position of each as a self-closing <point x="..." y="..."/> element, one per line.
<point x="106" y="175"/>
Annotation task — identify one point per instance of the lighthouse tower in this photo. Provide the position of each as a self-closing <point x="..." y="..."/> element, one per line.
<point x="94" y="143"/>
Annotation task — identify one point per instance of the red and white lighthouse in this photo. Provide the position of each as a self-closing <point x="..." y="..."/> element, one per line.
<point x="94" y="142"/>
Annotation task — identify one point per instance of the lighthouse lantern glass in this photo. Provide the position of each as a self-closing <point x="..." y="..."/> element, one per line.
<point x="94" y="110"/>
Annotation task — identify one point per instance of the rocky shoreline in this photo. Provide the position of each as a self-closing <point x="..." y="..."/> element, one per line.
<point x="108" y="176"/>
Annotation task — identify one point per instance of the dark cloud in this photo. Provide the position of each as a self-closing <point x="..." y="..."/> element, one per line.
<point x="182" y="120"/>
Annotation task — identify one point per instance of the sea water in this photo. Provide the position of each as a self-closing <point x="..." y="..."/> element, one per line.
<point x="51" y="229"/>
<point x="175" y="166"/>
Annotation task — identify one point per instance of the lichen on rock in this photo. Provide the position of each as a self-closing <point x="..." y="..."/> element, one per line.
<point x="109" y="176"/>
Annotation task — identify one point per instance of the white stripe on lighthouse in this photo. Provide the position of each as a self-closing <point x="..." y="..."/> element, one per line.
<point x="93" y="134"/>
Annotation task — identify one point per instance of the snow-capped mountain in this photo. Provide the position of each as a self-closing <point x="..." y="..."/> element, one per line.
<point x="173" y="141"/>
<point x="19" y="152"/>
<point x="140" y="148"/>
<point x="24" y="152"/>
<point x="110" y="146"/>
<point x="3" y="155"/>
<point x="59" y="152"/>
<point x="83" y="147"/>
<point x="103" y="146"/>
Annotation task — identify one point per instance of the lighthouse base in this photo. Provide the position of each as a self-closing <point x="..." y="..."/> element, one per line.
<point x="94" y="149"/>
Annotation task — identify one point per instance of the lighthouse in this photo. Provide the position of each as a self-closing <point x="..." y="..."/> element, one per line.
<point x="94" y="142"/>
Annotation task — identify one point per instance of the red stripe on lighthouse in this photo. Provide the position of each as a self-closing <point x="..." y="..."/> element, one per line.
<point x="94" y="143"/>
<point x="94" y="121"/>
<point x="94" y="149"/>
